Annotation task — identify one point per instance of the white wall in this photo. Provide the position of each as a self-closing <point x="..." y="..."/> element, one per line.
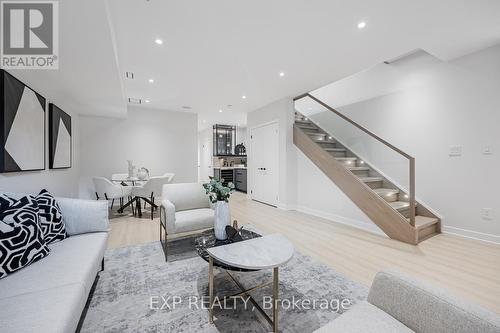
<point x="280" y="111"/>
<point x="160" y="140"/>
<point x="60" y="182"/>
<point x="447" y="103"/>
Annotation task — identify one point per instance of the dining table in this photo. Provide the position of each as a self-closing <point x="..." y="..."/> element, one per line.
<point x="133" y="181"/>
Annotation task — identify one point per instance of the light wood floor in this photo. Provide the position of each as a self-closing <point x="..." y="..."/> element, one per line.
<point x="468" y="268"/>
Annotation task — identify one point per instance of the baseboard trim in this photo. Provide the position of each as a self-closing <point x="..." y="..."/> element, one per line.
<point x="471" y="234"/>
<point x="370" y="227"/>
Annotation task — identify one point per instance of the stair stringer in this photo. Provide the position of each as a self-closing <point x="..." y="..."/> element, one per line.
<point x="376" y="208"/>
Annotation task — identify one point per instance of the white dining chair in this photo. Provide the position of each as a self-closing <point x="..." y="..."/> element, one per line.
<point x="105" y="189"/>
<point x="151" y="189"/>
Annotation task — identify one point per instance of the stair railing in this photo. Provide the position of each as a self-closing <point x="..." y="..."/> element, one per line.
<point x="411" y="159"/>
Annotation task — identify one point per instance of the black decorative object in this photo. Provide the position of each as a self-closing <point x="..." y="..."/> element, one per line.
<point x="240" y="149"/>
<point x="233" y="234"/>
<point x="22" y="126"/>
<point x="59" y="138"/>
<point x="207" y="240"/>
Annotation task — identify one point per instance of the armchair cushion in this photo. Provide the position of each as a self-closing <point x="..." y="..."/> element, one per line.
<point x="195" y="219"/>
<point x="428" y="309"/>
<point x="364" y="318"/>
<point x="186" y="196"/>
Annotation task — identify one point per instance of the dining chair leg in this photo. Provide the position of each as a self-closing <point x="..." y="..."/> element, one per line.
<point x="152" y="205"/>
<point x="112" y="203"/>
<point x="132" y="205"/>
<point x="96" y="196"/>
<point x="106" y="197"/>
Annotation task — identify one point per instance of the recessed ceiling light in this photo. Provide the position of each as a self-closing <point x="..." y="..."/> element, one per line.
<point x="220" y="110"/>
<point x="361" y="25"/>
<point x="282" y="74"/>
<point x="147" y="101"/>
<point x="151" y="80"/>
<point x="203" y="121"/>
<point x="244" y="97"/>
<point x="158" y="41"/>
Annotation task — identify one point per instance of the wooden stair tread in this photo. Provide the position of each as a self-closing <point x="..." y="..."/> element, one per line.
<point x="358" y="168"/>
<point x="346" y="158"/>
<point x="371" y="179"/>
<point x="385" y="191"/>
<point x="424" y="221"/>
<point x="398" y="205"/>
<point x="335" y="149"/>
<point x="308" y="126"/>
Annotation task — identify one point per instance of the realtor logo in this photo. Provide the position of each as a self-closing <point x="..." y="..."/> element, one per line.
<point x="30" y="38"/>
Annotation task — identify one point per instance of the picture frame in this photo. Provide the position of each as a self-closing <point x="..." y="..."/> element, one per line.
<point x="60" y="138"/>
<point x="22" y="126"/>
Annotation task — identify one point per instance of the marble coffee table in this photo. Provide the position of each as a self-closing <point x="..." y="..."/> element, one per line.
<point x="267" y="252"/>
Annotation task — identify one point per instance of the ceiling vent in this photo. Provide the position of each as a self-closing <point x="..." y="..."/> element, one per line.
<point x="134" y="100"/>
<point x="129" y="75"/>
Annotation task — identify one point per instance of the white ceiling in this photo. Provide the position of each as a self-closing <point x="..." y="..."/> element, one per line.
<point x="87" y="80"/>
<point x="216" y="51"/>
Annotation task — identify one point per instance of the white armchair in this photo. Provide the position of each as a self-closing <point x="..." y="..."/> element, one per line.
<point x="184" y="207"/>
<point x="151" y="190"/>
<point x="104" y="188"/>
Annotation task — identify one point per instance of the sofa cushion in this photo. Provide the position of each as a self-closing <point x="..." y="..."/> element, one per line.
<point x="195" y="219"/>
<point x="21" y="238"/>
<point x="427" y="309"/>
<point x="50" y="217"/>
<point x="55" y="310"/>
<point x="364" y="318"/>
<point x="76" y="259"/>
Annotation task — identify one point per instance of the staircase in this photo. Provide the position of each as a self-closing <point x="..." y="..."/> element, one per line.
<point x="388" y="206"/>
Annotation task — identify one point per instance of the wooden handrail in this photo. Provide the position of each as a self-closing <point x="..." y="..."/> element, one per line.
<point x="410" y="158"/>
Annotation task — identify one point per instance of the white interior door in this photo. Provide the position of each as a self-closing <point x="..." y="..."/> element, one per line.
<point x="205" y="161"/>
<point x="265" y="154"/>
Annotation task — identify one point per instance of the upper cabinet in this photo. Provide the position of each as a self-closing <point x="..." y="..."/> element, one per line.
<point x="224" y="140"/>
<point x="224" y="137"/>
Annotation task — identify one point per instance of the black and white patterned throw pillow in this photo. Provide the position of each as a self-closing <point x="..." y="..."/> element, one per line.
<point x="21" y="238"/>
<point x="50" y="218"/>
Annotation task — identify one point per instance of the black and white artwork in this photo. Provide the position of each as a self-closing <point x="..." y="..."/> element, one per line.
<point x="22" y="126"/>
<point x="59" y="138"/>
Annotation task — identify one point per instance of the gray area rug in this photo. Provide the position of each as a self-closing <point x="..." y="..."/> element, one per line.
<point x="137" y="290"/>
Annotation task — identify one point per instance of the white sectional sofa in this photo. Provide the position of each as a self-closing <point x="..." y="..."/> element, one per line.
<point x="400" y="304"/>
<point x="50" y="294"/>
